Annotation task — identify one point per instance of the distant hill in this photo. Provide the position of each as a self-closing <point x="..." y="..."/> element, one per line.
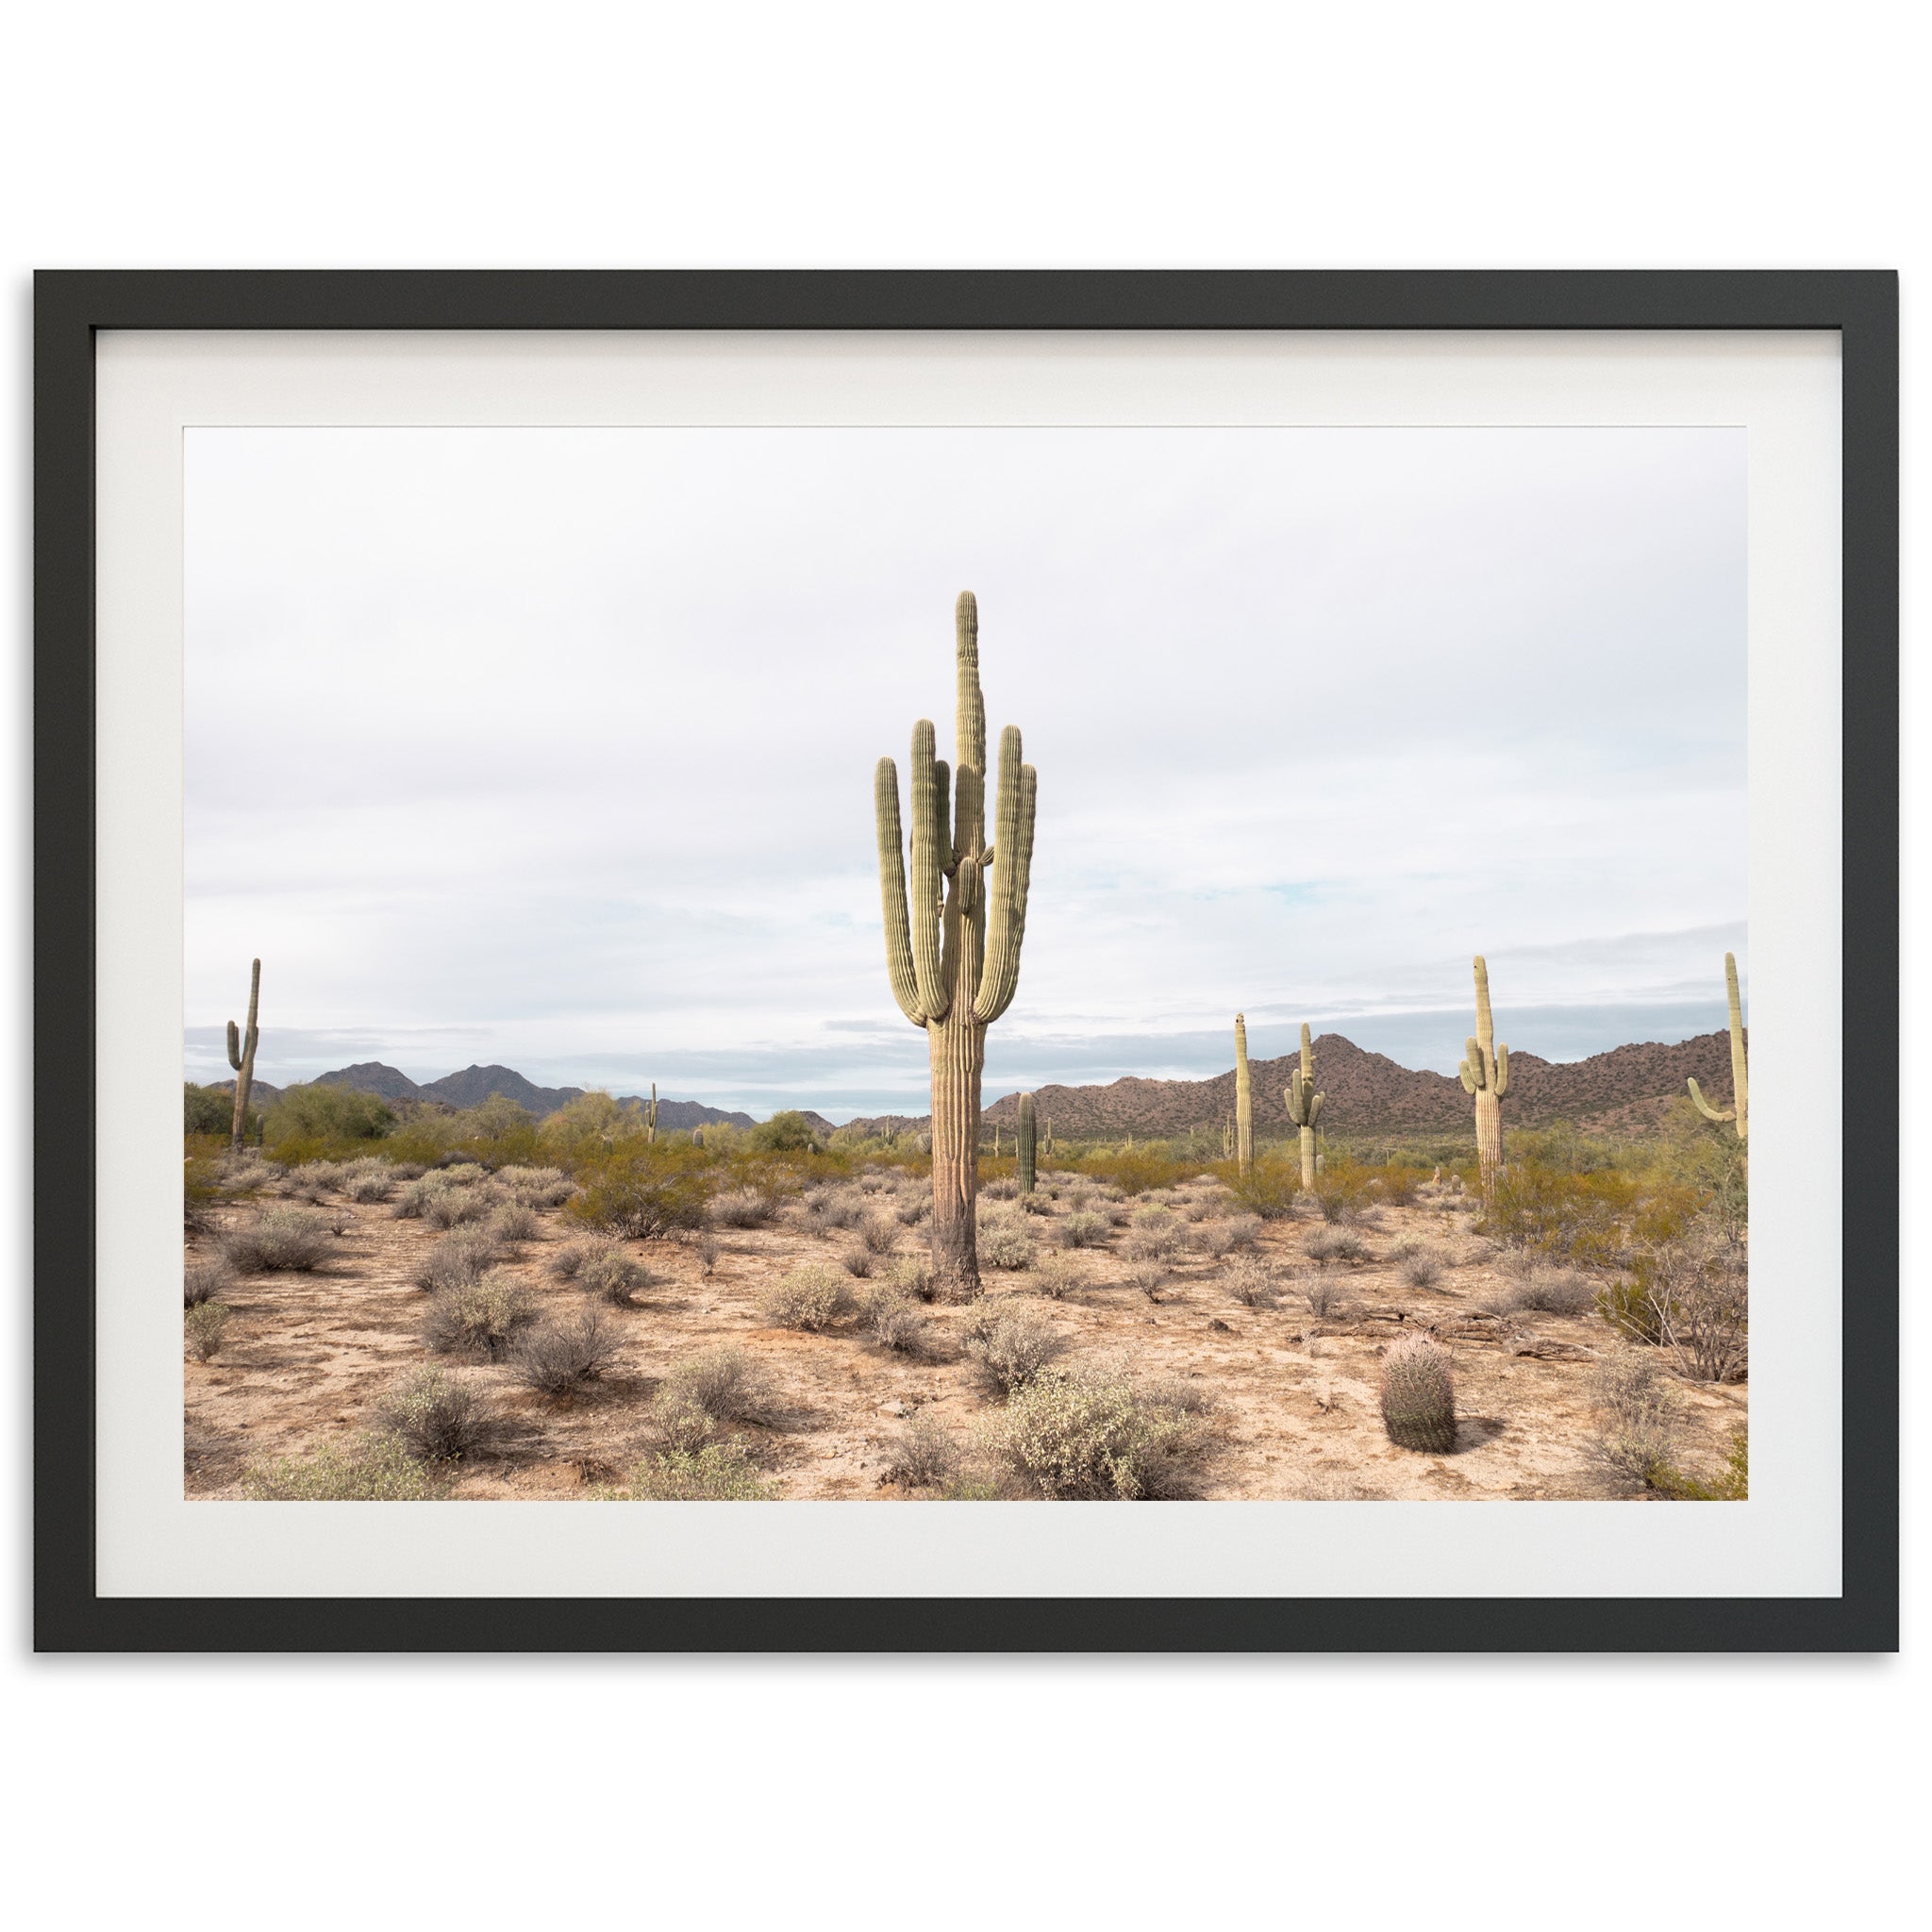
<point x="1369" y="1093"/>
<point x="475" y="1085"/>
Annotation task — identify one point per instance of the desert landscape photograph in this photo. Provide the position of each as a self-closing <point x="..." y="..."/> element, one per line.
<point x="1315" y="861"/>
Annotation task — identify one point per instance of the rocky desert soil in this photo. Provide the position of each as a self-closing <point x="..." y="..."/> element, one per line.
<point x="306" y="1357"/>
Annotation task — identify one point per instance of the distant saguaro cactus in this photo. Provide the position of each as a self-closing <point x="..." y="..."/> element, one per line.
<point x="650" y="1116"/>
<point x="1485" y="1072"/>
<point x="1024" y="1144"/>
<point x="1739" y="1083"/>
<point x="1305" y="1107"/>
<point x="1419" y="1395"/>
<point x="1243" y="1100"/>
<point x="241" y="1056"/>
<point x="953" y="947"/>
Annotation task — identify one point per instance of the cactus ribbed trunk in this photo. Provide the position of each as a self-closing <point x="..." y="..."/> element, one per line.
<point x="1024" y="1144"/>
<point x="1738" y="1113"/>
<point x="241" y="1058"/>
<point x="1305" y="1108"/>
<point x="957" y="1049"/>
<point x="1485" y="1072"/>
<point x="1243" y="1100"/>
<point x="1489" y="1138"/>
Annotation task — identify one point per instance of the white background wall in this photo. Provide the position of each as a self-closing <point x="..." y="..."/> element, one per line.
<point x="1483" y="1791"/>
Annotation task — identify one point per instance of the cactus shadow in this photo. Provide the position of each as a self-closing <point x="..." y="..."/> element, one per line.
<point x="1477" y="1431"/>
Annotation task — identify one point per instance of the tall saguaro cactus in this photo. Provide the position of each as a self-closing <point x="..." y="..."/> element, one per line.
<point x="1243" y="1100"/>
<point x="1739" y="1083"/>
<point x="1486" y="1074"/>
<point x="241" y="1056"/>
<point x="953" y="943"/>
<point x="1305" y="1107"/>
<point x="651" y="1117"/>
<point x="1024" y="1144"/>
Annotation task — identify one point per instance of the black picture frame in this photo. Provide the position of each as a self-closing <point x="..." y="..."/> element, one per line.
<point x="72" y="308"/>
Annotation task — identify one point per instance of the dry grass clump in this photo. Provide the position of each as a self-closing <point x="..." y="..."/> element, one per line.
<point x="602" y="1267"/>
<point x="1005" y="1242"/>
<point x="1008" y="1347"/>
<point x="912" y="1274"/>
<point x="1542" y="1290"/>
<point x="203" y="1328"/>
<point x="452" y="1206"/>
<point x="441" y="1418"/>
<point x="743" y="1208"/>
<point x="535" y="1186"/>
<point x="811" y="1298"/>
<point x="375" y="1468"/>
<point x="479" y="1318"/>
<point x="712" y="1473"/>
<point x="835" y="1207"/>
<point x="1005" y="1189"/>
<point x="206" y="1278"/>
<point x="1074" y="1434"/>
<point x="1334" y="1245"/>
<point x="878" y="1236"/>
<point x="893" y="1320"/>
<point x="1638" y="1417"/>
<point x="368" y="1181"/>
<point x="513" y="1224"/>
<point x="1420" y="1267"/>
<point x="565" y="1352"/>
<point x="1053" y="1278"/>
<point x="708" y="1249"/>
<point x="1149" y="1277"/>
<point x="925" y="1455"/>
<point x="858" y="1259"/>
<point x="1250" y="1281"/>
<point x="912" y="1208"/>
<point x="277" y="1238"/>
<point x="1213" y="1239"/>
<point x="1157" y="1235"/>
<point x="1244" y="1230"/>
<point x="702" y="1393"/>
<point x="1324" y="1298"/>
<point x="454" y="1261"/>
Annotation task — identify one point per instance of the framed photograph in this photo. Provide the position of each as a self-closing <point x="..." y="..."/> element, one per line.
<point x="942" y="901"/>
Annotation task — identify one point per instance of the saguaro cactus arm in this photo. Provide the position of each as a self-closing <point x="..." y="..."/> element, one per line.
<point x="1012" y="867"/>
<point x="1705" y="1108"/>
<point x="892" y="893"/>
<point x="235" y="1046"/>
<point x="1738" y="1109"/>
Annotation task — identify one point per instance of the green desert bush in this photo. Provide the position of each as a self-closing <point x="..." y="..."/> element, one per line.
<point x="1008" y="1347"/>
<point x="1085" y="1229"/>
<point x="277" y="1238"/>
<point x="1419" y="1395"/>
<point x="207" y="1111"/>
<point x="315" y="1118"/>
<point x="480" y="1319"/>
<point x="1267" y="1189"/>
<point x="812" y="1298"/>
<point x="784" y="1132"/>
<point x="1689" y="1295"/>
<point x="203" y="1328"/>
<point x="462" y="1256"/>
<point x="373" y="1467"/>
<point x="1090" y="1434"/>
<point x="1005" y="1242"/>
<point x="713" y="1472"/>
<point x="441" y="1416"/>
<point x="644" y="1192"/>
<point x="1731" y="1484"/>
<point x="1557" y="1211"/>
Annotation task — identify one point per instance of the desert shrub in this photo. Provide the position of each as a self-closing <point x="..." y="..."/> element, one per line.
<point x="1005" y="1242"/>
<point x="1150" y="1278"/>
<point x="893" y="1320"/>
<point x="207" y="1111"/>
<point x="369" y="1185"/>
<point x="924" y="1455"/>
<point x="535" y="1186"/>
<point x="1132" y="1171"/>
<point x="912" y="1274"/>
<point x="375" y="1468"/>
<point x="881" y="1237"/>
<point x="203" y="1326"/>
<point x="1267" y="1189"/>
<point x="1555" y="1211"/>
<point x="1085" y="1230"/>
<point x="743" y="1208"/>
<point x="1689" y="1296"/>
<point x="1052" y="1276"/>
<point x="1244" y="1230"/>
<point x="1395" y="1184"/>
<point x="1071" y="1435"/>
<point x="454" y="1261"/>
<point x="911" y="1208"/>
<point x="1419" y="1395"/>
<point x="1156" y="1234"/>
<point x="453" y="1206"/>
<point x="644" y="1192"/>
<point x="1324" y="1298"/>
<point x="326" y="1114"/>
<point x="206" y="1278"/>
<point x="784" y="1132"/>
<point x="339" y="1219"/>
<point x="611" y="1275"/>
<point x="1421" y="1267"/>
<point x="1732" y="1483"/>
<point x="708" y="1253"/>
<point x="1008" y="1347"/>
<point x="513" y="1224"/>
<point x="1334" y="1245"/>
<point x="562" y="1355"/>
<point x="1006" y="1188"/>
<point x="712" y="1473"/>
<point x="441" y="1416"/>
<point x="1213" y="1239"/>
<point x="1637" y="1414"/>
<point x="832" y="1208"/>
<point x="701" y="1393"/>
<point x="1250" y="1281"/>
<point x="858" y="1259"/>
<point x="1545" y="1290"/>
<point x="480" y="1318"/>
<point x="277" y="1238"/>
<point x="812" y="1298"/>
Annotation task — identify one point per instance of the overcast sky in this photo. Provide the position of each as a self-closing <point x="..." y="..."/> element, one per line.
<point x="555" y="747"/>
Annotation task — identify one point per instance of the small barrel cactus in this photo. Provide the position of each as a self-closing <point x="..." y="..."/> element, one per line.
<point x="1419" y="1395"/>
